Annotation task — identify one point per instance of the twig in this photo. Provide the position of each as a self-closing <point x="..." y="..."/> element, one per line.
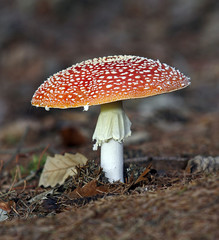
<point x="41" y="156"/>
<point x="7" y="193"/>
<point x="149" y="159"/>
<point x="29" y="177"/>
<point x="15" y="178"/>
<point x="15" y="210"/>
<point x="79" y="194"/>
<point x="26" y="206"/>
<point x="143" y="175"/>
<point x="23" y="150"/>
<point x="40" y="196"/>
<point x="24" y="187"/>
<point x="29" y="150"/>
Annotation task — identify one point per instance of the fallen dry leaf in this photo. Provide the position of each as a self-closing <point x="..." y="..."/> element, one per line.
<point x="58" y="168"/>
<point x="6" y="206"/>
<point x="88" y="190"/>
<point x="143" y="176"/>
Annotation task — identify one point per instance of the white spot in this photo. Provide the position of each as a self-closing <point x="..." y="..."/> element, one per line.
<point x="109" y="86"/>
<point x="124" y="73"/>
<point x="47" y="108"/>
<point x="86" y="107"/>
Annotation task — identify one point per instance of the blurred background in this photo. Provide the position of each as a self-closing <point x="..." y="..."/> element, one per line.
<point x="40" y="37"/>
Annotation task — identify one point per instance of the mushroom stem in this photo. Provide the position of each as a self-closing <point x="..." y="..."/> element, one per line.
<point x="112" y="160"/>
<point x="113" y="126"/>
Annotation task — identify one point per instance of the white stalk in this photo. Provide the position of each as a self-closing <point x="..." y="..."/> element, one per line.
<point x="112" y="160"/>
<point x="113" y="126"/>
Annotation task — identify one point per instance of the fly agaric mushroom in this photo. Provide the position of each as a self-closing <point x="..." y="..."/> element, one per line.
<point x="108" y="81"/>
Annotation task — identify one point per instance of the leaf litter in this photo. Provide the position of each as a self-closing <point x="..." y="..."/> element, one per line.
<point x="70" y="180"/>
<point x="86" y="198"/>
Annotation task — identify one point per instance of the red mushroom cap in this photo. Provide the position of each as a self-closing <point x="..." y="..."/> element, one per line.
<point x="108" y="79"/>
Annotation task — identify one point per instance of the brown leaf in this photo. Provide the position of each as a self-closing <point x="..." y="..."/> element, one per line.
<point x="143" y="176"/>
<point x="88" y="190"/>
<point x="6" y="206"/>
